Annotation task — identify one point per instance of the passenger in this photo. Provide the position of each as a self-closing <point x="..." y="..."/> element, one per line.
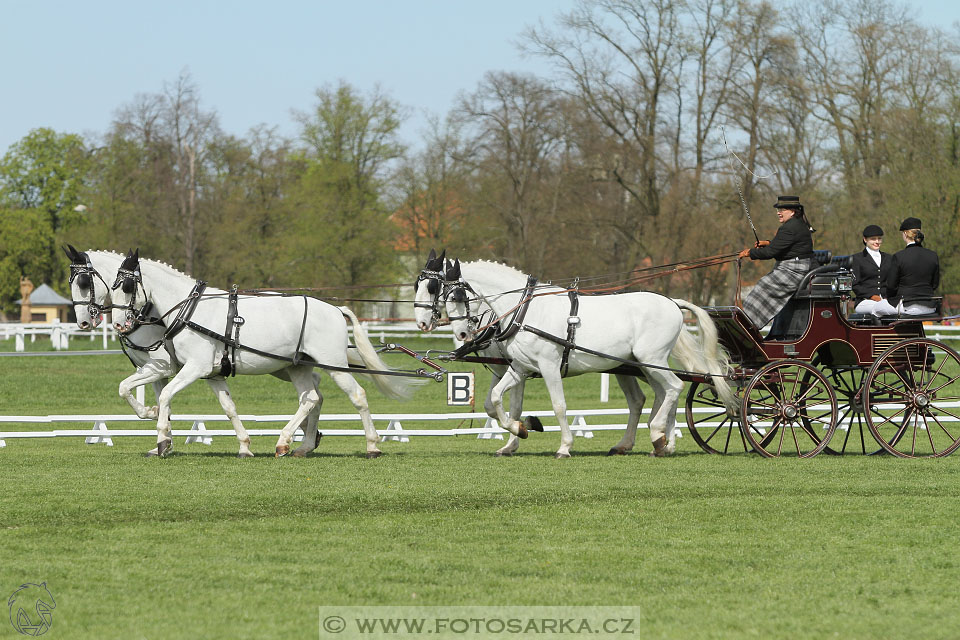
<point x="792" y="248"/>
<point x="914" y="273"/>
<point x="870" y="268"/>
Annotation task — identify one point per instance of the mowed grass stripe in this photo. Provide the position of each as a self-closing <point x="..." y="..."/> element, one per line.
<point x="205" y="545"/>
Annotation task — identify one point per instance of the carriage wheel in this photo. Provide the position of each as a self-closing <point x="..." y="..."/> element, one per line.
<point x="789" y="408"/>
<point x="847" y="383"/>
<point x="711" y="427"/>
<point x="912" y="399"/>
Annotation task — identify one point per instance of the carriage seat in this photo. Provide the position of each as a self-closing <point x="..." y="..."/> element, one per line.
<point x="831" y="279"/>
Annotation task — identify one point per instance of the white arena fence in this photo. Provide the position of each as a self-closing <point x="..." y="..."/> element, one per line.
<point x="101" y="433"/>
<point x="60" y="334"/>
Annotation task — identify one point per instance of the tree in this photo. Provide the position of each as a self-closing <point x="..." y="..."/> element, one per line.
<point x="27" y="248"/>
<point x="46" y="171"/>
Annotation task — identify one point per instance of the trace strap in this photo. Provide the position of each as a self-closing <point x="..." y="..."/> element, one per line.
<point x="573" y="321"/>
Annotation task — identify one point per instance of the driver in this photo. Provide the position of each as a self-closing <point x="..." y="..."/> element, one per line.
<point x="792" y="248"/>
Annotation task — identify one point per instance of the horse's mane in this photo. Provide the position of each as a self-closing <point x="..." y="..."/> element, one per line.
<point x="502" y="270"/>
<point x="163" y="266"/>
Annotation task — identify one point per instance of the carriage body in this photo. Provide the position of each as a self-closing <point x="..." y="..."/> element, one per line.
<point x="819" y="370"/>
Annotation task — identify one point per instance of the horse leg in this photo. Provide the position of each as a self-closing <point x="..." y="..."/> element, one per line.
<point x="153" y="412"/>
<point x="311" y="434"/>
<point x="551" y="377"/>
<point x="187" y="376"/>
<point x="635" y="399"/>
<point x="509" y="380"/>
<point x="142" y="376"/>
<point x="663" y="415"/>
<point x="516" y="404"/>
<point x="359" y="399"/>
<point x="219" y="387"/>
<point x="309" y="398"/>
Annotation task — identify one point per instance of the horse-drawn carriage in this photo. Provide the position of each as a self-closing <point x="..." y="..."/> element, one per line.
<point x="817" y="371"/>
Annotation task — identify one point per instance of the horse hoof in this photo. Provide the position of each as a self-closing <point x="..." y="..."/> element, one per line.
<point x="316" y="443"/>
<point x="533" y="423"/>
<point x="282" y="451"/>
<point x="299" y="454"/>
<point x="152" y="413"/>
<point x="151" y="454"/>
<point x="616" y="452"/>
<point x="164" y="447"/>
<point x="503" y="454"/>
<point x="561" y="456"/>
<point x="374" y="454"/>
<point x="245" y="454"/>
<point x="522" y="431"/>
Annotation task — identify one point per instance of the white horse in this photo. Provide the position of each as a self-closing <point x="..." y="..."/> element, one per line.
<point x="432" y="278"/>
<point x="90" y="273"/>
<point x="645" y="328"/>
<point x="279" y="333"/>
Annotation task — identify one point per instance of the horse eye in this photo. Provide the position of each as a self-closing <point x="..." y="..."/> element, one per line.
<point x="83" y="281"/>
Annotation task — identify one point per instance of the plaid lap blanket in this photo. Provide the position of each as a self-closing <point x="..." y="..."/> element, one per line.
<point x="774" y="289"/>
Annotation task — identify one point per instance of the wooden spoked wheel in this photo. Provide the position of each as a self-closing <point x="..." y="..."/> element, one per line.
<point x="912" y="399"/>
<point x="709" y="423"/>
<point x="788" y="409"/>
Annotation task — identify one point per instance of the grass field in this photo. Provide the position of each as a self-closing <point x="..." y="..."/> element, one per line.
<point x="203" y="545"/>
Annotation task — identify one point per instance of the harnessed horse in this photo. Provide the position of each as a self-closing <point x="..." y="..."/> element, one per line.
<point x="292" y="334"/>
<point x="89" y="273"/>
<point x="642" y="329"/>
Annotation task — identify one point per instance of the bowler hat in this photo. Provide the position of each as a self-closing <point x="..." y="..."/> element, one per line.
<point x="910" y="223"/>
<point x="872" y="231"/>
<point x="788" y="202"/>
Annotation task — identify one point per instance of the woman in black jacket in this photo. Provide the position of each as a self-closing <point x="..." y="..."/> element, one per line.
<point x="792" y="248"/>
<point x="870" y="269"/>
<point x="914" y="273"/>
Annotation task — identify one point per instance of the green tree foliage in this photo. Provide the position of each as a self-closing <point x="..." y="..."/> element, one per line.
<point x="27" y="248"/>
<point x="45" y="170"/>
<point x="343" y="232"/>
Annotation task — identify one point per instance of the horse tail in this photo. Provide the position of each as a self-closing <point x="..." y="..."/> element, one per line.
<point x="705" y="355"/>
<point x="395" y="387"/>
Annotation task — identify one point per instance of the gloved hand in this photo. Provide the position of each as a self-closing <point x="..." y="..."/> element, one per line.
<point x="744" y="254"/>
<point x="762" y="243"/>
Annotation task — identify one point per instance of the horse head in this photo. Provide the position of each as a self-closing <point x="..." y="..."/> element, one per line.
<point x="458" y="303"/>
<point x="125" y="293"/>
<point x="428" y="290"/>
<point x="89" y="292"/>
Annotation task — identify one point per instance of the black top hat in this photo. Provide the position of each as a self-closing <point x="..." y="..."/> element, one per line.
<point x="788" y="202"/>
<point x="872" y="231"/>
<point x="910" y="223"/>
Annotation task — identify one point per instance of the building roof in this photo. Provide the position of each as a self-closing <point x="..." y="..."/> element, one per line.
<point x="44" y="295"/>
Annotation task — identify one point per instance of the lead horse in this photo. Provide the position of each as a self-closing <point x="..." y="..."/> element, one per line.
<point x="279" y="333"/>
<point x="641" y="328"/>
<point x="90" y="271"/>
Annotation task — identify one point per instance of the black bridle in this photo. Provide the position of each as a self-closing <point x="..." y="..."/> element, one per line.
<point x="131" y="278"/>
<point x="94" y="308"/>
<point x="444" y="290"/>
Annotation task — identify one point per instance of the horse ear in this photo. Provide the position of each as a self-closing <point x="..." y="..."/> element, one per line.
<point x="453" y="273"/>
<point x="432" y="256"/>
<point x="73" y="254"/>
<point x="67" y="251"/>
<point x="443" y="256"/>
<point x="136" y="254"/>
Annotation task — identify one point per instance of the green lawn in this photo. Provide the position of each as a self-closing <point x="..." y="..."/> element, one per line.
<point x="203" y="545"/>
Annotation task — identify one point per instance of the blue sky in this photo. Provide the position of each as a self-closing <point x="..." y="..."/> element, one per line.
<point x="69" y="65"/>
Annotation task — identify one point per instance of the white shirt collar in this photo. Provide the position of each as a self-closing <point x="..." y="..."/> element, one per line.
<point x="874" y="254"/>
